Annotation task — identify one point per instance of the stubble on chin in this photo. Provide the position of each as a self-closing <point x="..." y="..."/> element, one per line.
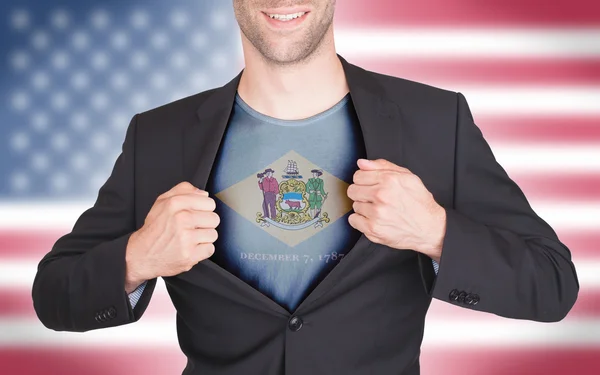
<point x="300" y="50"/>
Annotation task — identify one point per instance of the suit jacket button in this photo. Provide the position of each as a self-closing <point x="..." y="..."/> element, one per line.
<point x="105" y="314"/>
<point x="453" y="296"/>
<point x="469" y="299"/>
<point x="112" y="312"/>
<point x="295" y="324"/>
<point x="97" y="317"/>
<point x="475" y="299"/>
<point x="461" y="297"/>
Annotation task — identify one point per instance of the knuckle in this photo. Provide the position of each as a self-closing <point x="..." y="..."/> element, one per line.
<point x="412" y="179"/>
<point x="380" y="195"/>
<point x="379" y="210"/>
<point x="181" y="217"/>
<point x="174" y="203"/>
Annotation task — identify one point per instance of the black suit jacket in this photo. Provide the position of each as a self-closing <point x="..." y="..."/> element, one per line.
<point x="367" y="316"/>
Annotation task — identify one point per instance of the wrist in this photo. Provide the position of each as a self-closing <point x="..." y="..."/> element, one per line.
<point x="134" y="276"/>
<point x="435" y="242"/>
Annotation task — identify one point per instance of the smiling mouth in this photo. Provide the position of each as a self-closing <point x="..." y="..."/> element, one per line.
<point x="285" y="17"/>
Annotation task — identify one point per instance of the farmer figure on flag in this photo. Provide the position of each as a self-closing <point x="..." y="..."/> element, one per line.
<point x="270" y="188"/>
<point x="317" y="195"/>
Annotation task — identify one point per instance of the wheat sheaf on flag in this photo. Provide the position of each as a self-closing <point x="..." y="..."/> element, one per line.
<point x="75" y="73"/>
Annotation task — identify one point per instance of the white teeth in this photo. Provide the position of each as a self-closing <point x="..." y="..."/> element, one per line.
<point x="286" y="17"/>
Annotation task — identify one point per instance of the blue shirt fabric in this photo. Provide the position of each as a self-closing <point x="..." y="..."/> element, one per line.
<point x="280" y="191"/>
<point x="280" y="188"/>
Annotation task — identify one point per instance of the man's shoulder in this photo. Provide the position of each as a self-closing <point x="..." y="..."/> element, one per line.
<point x="177" y="109"/>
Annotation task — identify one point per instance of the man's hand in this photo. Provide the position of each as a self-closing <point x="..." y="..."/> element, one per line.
<point x="393" y="207"/>
<point x="178" y="232"/>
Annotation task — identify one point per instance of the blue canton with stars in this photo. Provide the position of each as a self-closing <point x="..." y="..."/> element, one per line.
<point x="74" y="74"/>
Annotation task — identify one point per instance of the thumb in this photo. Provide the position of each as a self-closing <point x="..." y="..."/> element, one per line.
<point x="369" y="165"/>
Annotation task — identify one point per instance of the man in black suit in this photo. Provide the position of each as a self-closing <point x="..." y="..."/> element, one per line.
<point x="430" y="193"/>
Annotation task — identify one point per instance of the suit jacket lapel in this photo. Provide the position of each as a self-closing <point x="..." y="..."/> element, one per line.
<point x="380" y="122"/>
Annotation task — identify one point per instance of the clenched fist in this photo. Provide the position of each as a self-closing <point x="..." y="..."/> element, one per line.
<point x="178" y="232"/>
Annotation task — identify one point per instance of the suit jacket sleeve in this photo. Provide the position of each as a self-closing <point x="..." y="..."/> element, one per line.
<point x="497" y="251"/>
<point x="80" y="283"/>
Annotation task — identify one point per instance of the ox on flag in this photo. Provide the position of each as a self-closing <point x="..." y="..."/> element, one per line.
<point x="74" y="73"/>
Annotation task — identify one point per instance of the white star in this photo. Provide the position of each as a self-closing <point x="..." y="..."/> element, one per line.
<point x="39" y="161"/>
<point x="159" y="80"/>
<point x="119" y="121"/>
<point x="179" y="19"/>
<point x="100" y="60"/>
<point x="40" y="80"/>
<point x="19" y="181"/>
<point x="59" y="100"/>
<point x="219" y="60"/>
<point x="199" y="40"/>
<point x="79" y="161"/>
<point x="140" y="19"/>
<point x="100" y="19"/>
<point x="20" y="141"/>
<point x="20" y="101"/>
<point x="99" y="101"/>
<point x="60" y="60"/>
<point x="179" y="60"/>
<point x="139" y="60"/>
<point x="20" y="60"/>
<point x="99" y="141"/>
<point x="59" y="142"/>
<point x="119" y="80"/>
<point x="79" y="121"/>
<point x="60" y="19"/>
<point x="159" y="40"/>
<point x="219" y="20"/>
<point x="120" y="40"/>
<point x="40" y="40"/>
<point x="40" y="121"/>
<point x="139" y="101"/>
<point x="20" y="19"/>
<point x="80" y="40"/>
<point x="80" y="80"/>
<point x="59" y="181"/>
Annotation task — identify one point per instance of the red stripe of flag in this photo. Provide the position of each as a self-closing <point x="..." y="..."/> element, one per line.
<point x="540" y="130"/>
<point x="489" y="71"/>
<point x="17" y="303"/>
<point x="22" y="246"/>
<point x="472" y="361"/>
<point x="466" y="13"/>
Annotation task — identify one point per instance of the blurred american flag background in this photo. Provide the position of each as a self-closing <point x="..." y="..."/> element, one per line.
<point x="74" y="73"/>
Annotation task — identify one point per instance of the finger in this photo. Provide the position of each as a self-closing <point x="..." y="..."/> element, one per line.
<point x="364" y="177"/>
<point x="197" y="219"/>
<point x="190" y="201"/>
<point x="182" y="188"/>
<point x="204" y="235"/>
<point x="203" y="251"/>
<point x="361" y="193"/>
<point x="380" y="164"/>
<point x="363" y="208"/>
<point x="358" y="222"/>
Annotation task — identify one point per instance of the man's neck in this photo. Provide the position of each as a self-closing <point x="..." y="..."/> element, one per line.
<point x="293" y="92"/>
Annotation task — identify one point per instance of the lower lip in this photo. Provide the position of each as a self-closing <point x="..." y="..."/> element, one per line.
<point x="285" y="24"/>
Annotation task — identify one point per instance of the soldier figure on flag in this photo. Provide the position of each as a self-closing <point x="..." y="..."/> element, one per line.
<point x="316" y="194"/>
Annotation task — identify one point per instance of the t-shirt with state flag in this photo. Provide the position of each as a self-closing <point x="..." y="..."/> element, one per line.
<point x="280" y="191"/>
